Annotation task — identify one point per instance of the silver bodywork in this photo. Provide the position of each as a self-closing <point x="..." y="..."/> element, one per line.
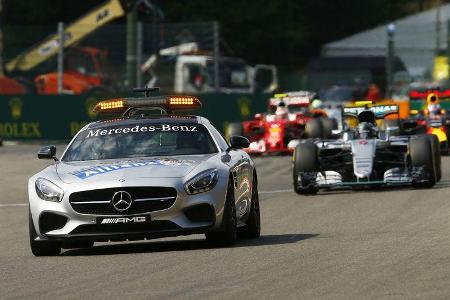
<point x="173" y="172"/>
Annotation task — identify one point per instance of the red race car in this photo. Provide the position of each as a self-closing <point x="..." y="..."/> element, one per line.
<point x="280" y="130"/>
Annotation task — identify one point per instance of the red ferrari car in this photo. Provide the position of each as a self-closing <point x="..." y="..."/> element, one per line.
<point x="280" y="130"/>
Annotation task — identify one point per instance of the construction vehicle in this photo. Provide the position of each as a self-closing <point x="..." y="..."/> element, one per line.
<point x="187" y="69"/>
<point x="85" y="69"/>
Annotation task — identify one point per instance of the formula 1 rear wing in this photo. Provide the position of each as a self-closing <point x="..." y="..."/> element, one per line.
<point x="298" y="98"/>
<point x="380" y="111"/>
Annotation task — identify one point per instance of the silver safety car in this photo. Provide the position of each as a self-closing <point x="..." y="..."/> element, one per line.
<point x="144" y="175"/>
<point x="366" y="156"/>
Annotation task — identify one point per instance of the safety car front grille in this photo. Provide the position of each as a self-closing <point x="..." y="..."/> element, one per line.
<point x="144" y="200"/>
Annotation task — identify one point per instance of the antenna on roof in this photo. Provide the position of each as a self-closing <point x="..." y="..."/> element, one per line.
<point x="146" y="90"/>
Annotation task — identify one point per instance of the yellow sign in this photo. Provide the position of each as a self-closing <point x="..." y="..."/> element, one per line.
<point x="15" y="104"/>
<point x="440" y="70"/>
<point x="244" y="107"/>
<point x="72" y="34"/>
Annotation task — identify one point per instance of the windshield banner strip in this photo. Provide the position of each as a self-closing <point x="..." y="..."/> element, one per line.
<point x="102" y="169"/>
<point x="139" y="128"/>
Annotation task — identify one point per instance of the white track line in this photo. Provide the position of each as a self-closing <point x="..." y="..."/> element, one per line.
<point x="261" y="192"/>
<point x="275" y="191"/>
<point x="13" y="204"/>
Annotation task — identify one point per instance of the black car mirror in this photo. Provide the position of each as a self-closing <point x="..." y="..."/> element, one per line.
<point x="239" y="142"/>
<point x="47" y="152"/>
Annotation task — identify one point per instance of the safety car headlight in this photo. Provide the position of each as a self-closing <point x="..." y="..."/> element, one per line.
<point x="49" y="191"/>
<point x="202" y="182"/>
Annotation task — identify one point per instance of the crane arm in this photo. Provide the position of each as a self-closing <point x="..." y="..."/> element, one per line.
<point x="74" y="32"/>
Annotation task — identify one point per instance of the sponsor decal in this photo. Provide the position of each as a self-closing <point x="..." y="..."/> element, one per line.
<point x="363" y="142"/>
<point x="20" y="130"/>
<point x="124" y="220"/>
<point x="53" y="45"/>
<point x="102" y="169"/>
<point x="379" y="111"/>
<point x="101" y="15"/>
<point x="139" y="128"/>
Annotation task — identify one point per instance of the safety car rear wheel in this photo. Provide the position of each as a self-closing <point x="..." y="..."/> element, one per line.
<point x="436" y="155"/>
<point x="227" y="235"/>
<point x="42" y="248"/>
<point x="305" y="160"/>
<point x="421" y="154"/>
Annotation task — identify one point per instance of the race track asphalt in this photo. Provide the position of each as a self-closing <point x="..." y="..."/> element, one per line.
<point x="379" y="244"/>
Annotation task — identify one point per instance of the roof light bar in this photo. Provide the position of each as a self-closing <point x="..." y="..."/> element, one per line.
<point x="166" y="103"/>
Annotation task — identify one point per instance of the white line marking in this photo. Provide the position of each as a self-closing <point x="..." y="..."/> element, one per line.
<point x="13" y="204"/>
<point x="276" y="191"/>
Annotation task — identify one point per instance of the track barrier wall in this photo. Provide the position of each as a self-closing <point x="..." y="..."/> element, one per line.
<point x="31" y="117"/>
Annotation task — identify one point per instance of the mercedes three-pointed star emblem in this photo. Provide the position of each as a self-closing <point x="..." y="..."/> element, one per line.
<point x="121" y="201"/>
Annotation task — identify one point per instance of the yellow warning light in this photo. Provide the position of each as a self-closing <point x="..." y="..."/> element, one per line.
<point x="110" y="105"/>
<point x="182" y="100"/>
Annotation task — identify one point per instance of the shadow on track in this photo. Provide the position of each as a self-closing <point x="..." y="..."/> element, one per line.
<point x="185" y="245"/>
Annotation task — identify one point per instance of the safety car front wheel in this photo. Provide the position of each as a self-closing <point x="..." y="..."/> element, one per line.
<point x="227" y="235"/>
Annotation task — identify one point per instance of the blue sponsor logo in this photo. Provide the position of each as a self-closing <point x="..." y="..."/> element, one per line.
<point x="102" y="169"/>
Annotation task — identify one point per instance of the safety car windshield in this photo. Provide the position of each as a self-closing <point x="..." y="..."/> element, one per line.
<point x="117" y="141"/>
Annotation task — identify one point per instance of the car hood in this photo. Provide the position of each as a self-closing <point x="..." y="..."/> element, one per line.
<point x="174" y="167"/>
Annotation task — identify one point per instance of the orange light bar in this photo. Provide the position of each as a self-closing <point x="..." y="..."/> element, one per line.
<point x="110" y="105"/>
<point x="182" y="100"/>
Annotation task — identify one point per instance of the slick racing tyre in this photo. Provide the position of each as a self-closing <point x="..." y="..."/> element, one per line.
<point x="436" y="155"/>
<point x="252" y="229"/>
<point x="227" y="236"/>
<point x="319" y="128"/>
<point x="421" y="154"/>
<point x="42" y="248"/>
<point x="234" y="129"/>
<point x="305" y="159"/>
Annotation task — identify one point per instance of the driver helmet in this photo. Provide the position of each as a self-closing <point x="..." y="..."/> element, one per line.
<point x="366" y="130"/>
<point x="281" y="109"/>
<point x="316" y="104"/>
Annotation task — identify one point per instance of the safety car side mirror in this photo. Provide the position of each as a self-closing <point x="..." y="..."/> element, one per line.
<point x="239" y="142"/>
<point x="47" y="152"/>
